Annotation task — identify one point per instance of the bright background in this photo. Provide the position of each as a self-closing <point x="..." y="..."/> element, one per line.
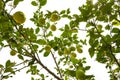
<point x="97" y="69"/>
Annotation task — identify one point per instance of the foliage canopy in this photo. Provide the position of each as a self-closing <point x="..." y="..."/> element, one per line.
<point x="102" y="29"/>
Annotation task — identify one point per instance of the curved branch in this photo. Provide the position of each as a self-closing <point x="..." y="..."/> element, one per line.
<point x="49" y="71"/>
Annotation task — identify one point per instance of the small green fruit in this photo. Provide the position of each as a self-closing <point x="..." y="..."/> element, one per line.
<point x="54" y="17"/>
<point x="66" y="51"/>
<point x="79" y="50"/>
<point x="41" y="21"/>
<point x="73" y="54"/>
<point x="19" y="17"/>
<point x="53" y="27"/>
<point x="47" y="48"/>
<point x="72" y="48"/>
<point x="13" y="53"/>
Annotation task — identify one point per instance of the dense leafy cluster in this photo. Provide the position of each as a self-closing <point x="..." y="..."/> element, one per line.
<point x="102" y="21"/>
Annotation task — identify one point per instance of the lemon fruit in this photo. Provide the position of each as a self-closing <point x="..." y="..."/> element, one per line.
<point x="19" y="17"/>
<point x="66" y="51"/>
<point x="72" y="48"/>
<point x="54" y="17"/>
<point x="13" y="53"/>
<point x="47" y="48"/>
<point x="73" y="54"/>
<point x="53" y="27"/>
<point x="79" y="50"/>
<point x="41" y="21"/>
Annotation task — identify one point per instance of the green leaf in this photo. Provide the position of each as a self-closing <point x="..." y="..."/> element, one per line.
<point x="107" y="27"/>
<point x="66" y="77"/>
<point x="74" y="60"/>
<point x="115" y="30"/>
<point x="80" y="74"/>
<point x="43" y="2"/>
<point x="9" y="70"/>
<point x="42" y="76"/>
<point x="91" y="52"/>
<point x="99" y="27"/>
<point x="1" y="66"/>
<point x="62" y="12"/>
<point x="68" y="10"/>
<point x="9" y="64"/>
<point x="20" y="57"/>
<point x="70" y="73"/>
<point x="49" y="34"/>
<point x="117" y="50"/>
<point x="34" y="3"/>
<point x="35" y="47"/>
<point x="116" y="23"/>
<point x="46" y="54"/>
<point x="41" y="41"/>
<point x="37" y="30"/>
<point x="32" y="78"/>
<point x="16" y="2"/>
<point x="31" y="62"/>
<point x="5" y="77"/>
<point x="87" y="67"/>
<point x="67" y="28"/>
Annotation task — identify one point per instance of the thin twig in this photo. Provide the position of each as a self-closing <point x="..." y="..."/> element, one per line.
<point x="53" y="56"/>
<point x="56" y="64"/>
<point x="15" y="71"/>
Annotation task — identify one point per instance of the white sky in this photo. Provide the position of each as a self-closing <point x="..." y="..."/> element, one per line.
<point x="97" y="69"/>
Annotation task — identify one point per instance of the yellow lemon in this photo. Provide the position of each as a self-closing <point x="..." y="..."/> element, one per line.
<point x="47" y="48"/>
<point x="79" y="50"/>
<point x="41" y="21"/>
<point x="53" y="27"/>
<point x="73" y="54"/>
<point x="13" y="53"/>
<point x="66" y="51"/>
<point x="54" y="17"/>
<point x="19" y="17"/>
<point x="72" y="48"/>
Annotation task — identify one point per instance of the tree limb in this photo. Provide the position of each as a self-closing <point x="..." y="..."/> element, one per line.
<point x="49" y="71"/>
<point x="110" y="47"/>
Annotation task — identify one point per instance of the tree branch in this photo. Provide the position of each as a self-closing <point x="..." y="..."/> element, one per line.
<point x="110" y="47"/>
<point x="34" y="57"/>
<point x="56" y="64"/>
<point x="44" y="31"/>
<point x="49" y="71"/>
<point x="15" y="71"/>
